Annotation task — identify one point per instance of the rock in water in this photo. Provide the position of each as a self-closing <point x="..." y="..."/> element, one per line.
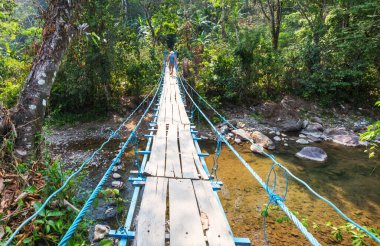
<point x="342" y="136"/>
<point x="116" y="176"/>
<point x="349" y="140"/>
<point x="335" y="131"/>
<point x="312" y="153"/>
<point x="117" y="184"/>
<point x="255" y="149"/>
<point x="262" y="140"/>
<point x="277" y="139"/>
<point x="302" y="141"/>
<point x="242" y="134"/>
<point x="237" y="140"/>
<point x="224" y="129"/>
<point x="314" y="127"/>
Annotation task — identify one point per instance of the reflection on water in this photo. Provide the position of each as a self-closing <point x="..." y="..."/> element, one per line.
<point x="349" y="179"/>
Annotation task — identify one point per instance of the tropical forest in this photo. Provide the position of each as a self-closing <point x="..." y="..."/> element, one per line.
<point x="189" y="122"/>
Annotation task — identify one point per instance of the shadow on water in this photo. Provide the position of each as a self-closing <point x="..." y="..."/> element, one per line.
<point x="349" y="179"/>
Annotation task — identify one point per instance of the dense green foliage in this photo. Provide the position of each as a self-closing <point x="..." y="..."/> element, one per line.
<point x="327" y="49"/>
<point x="19" y="33"/>
<point x="372" y="136"/>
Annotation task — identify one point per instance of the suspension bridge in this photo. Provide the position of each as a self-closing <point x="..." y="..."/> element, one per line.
<point x="175" y="198"/>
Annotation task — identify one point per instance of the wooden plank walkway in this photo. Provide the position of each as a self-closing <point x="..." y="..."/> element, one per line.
<point x="178" y="205"/>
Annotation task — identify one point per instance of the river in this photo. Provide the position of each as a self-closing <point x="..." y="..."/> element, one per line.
<point x="349" y="179"/>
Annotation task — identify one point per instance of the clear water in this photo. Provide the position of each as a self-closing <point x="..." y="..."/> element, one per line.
<point x="348" y="179"/>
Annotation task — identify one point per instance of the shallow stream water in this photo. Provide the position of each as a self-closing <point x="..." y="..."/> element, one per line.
<point x="349" y="179"/>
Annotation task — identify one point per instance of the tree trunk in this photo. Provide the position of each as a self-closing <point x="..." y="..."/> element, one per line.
<point x="274" y="17"/>
<point x="30" y="110"/>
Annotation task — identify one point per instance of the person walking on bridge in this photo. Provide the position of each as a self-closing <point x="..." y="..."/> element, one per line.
<point x="172" y="59"/>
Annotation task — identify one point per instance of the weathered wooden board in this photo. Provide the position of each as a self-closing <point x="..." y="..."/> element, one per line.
<point x="182" y="112"/>
<point x="187" y="148"/>
<point x="217" y="232"/>
<point x="168" y="111"/>
<point x="199" y="166"/>
<point x="161" y="149"/>
<point x="173" y="164"/>
<point x="156" y="164"/>
<point x="151" y="219"/>
<point x="185" y="222"/>
<point x="176" y="116"/>
<point x="161" y="113"/>
<point x="197" y="161"/>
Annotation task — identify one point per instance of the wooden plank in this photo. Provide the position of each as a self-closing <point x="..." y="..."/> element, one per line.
<point x="183" y="115"/>
<point x="199" y="166"/>
<point x="173" y="164"/>
<point x="151" y="219"/>
<point x="185" y="222"/>
<point x="161" y="113"/>
<point x="181" y="107"/>
<point x="176" y="117"/>
<point x="156" y="164"/>
<point x="187" y="148"/>
<point x="217" y="232"/>
<point x="169" y="111"/>
<point x="161" y="150"/>
<point x="172" y="93"/>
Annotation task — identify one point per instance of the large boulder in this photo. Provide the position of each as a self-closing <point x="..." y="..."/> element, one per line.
<point x="241" y="133"/>
<point x="255" y="148"/>
<point x="262" y="140"/>
<point x="342" y="136"/>
<point x="314" y="131"/>
<point x="350" y="140"/>
<point x="335" y="131"/>
<point x="312" y="153"/>
<point x="314" y="127"/>
<point x="290" y="124"/>
<point x="302" y="141"/>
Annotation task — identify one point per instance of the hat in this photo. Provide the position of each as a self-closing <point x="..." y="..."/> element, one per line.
<point x="171" y="52"/>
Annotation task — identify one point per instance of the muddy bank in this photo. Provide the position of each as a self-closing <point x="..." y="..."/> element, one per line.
<point x="73" y="144"/>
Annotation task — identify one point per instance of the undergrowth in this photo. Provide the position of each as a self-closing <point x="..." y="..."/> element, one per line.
<point x="23" y="189"/>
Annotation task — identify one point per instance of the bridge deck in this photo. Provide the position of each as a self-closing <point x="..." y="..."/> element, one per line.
<point x="178" y="203"/>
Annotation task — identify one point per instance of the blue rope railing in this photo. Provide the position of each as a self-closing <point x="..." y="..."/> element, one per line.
<point x="276" y="198"/>
<point x="88" y="160"/>
<point x="376" y="239"/>
<point x="95" y="192"/>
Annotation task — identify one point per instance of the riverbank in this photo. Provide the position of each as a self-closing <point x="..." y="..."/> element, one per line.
<point x="346" y="173"/>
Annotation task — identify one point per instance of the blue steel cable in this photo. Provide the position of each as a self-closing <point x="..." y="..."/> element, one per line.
<point x="376" y="239"/>
<point x="112" y="135"/>
<point x="95" y="192"/>
<point x="277" y="199"/>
